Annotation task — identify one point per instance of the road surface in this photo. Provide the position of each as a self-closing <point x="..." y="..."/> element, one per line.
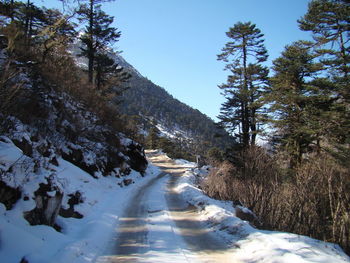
<point x="159" y="226"/>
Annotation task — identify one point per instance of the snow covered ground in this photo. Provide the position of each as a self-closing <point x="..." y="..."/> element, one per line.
<point x="162" y="243"/>
<point x="81" y="240"/>
<point x="253" y="245"/>
<point x="86" y="240"/>
<point x="162" y="227"/>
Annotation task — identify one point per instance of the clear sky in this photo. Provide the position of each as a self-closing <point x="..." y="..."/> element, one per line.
<point x="174" y="43"/>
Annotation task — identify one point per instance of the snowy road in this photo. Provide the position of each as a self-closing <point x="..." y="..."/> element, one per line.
<point x="159" y="226"/>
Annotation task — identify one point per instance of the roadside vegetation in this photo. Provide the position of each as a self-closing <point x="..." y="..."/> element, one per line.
<point x="37" y="41"/>
<point x="300" y="180"/>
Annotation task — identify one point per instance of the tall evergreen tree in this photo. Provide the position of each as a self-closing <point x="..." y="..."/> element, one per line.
<point x="329" y="22"/>
<point x="153" y="138"/>
<point x="57" y="31"/>
<point x="300" y="100"/>
<point x="109" y="74"/>
<point x="243" y="56"/>
<point x="99" y="33"/>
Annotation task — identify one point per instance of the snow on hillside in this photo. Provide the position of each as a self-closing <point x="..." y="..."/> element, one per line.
<point x="80" y="240"/>
<point x="63" y="174"/>
<point x="253" y="245"/>
<point x="75" y="50"/>
<point x="173" y="132"/>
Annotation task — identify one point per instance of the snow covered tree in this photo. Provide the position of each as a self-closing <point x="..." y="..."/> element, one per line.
<point x="248" y="78"/>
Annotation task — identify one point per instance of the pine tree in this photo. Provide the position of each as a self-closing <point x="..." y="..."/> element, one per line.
<point x="110" y="75"/>
<point x="243" y="56"/>
<point x="99" y="34"/>
<point x="300" y="100"/>
<point x="29" y="21"/>
<point x="57" y="31"/>
<point x="329" y="22"/>
<point x="152" y="138"/>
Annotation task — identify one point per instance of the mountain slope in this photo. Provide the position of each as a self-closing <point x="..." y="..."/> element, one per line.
<point x="155" y="107"/>
<point x="54" y="148"/>
<point x="155" y="104"/>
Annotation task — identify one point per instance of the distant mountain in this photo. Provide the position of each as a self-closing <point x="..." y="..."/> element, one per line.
<point x="173" y="118"/>
<point x="157" y="108"/>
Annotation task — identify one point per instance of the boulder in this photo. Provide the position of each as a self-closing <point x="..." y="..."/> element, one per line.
<point x="76" y="157"/>
<point x="114" y="160"/>
<point x="128" y="182"/>
<point x="125" y="169"/>
<point x="24" y="145"/>
<point x="48" y="199"/>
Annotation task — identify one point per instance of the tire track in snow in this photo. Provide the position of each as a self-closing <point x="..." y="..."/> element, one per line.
<point x="158" y="226"/>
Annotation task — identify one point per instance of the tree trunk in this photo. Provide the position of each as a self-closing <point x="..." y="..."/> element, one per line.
<point x="26" y="26"/>
<point x="91" y="53"/>
<point x="12" y="10"/>
<point x="253" y="126"/>
<point x="245" y="119"/>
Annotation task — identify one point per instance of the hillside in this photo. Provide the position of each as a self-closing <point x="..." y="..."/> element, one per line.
<point x="154" y="104"/>
<point x="154" y="107"/>
<point x="60" y="157"/>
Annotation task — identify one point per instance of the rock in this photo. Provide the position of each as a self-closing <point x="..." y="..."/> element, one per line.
<point x="54" y="161"/>
<point x="45" y="149"/>
<point x="74" y="199"/>
<point x="24" y="145"/>
<point x="125" y="169"/>
<point x="111" y="139"/>
<point x="236" y="203"/>
<point x="8" y="195"/>
<point x="113" y="161"/>
<point x="48" y="199"/>
<point x="76" y="157"/>
<point x="137" y="161"/>
<point x="128" y="182"/>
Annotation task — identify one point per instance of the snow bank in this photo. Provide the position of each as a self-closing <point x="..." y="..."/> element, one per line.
<point x="253" y="245"/>
<point x="81" y="240"/>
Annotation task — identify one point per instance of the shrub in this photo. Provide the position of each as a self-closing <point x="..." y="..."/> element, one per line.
<point x="314" y="200"/>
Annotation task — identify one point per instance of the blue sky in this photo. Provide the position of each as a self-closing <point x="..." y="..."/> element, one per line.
<point x="174" y="43"/>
